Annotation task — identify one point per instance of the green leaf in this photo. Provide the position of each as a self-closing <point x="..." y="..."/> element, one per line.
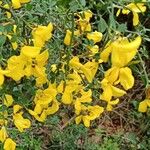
<point x="2" y="28"/>
<point x="83" y="2"/>
<point x="2" y="40"/>
<point x="112" y="21"/>
<point x="102" y="25"/>
<point x="122" y="27"/>
<point x="74" y="6"/>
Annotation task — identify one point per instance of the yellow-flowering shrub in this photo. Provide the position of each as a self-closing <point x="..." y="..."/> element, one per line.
<point x="80" y="72"/>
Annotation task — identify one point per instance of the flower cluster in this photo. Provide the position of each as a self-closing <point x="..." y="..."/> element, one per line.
<point x="82" y="74"/>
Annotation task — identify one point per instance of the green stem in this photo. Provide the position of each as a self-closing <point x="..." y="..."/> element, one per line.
<point x="144" y="70"/>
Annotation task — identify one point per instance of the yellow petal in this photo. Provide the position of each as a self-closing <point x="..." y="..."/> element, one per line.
<point x="67" y="38"/>
<point x="16" y="4"/>
<point x="94" y="49"/>
<point x="126" y="78"/>
<point x="53" y="109"/>
<point x="86" y="121"/>
<point x="114" y="102"/>
<point x="24" y="1"/>
<point x="78" y="119"/>
<point x="67" y="97"/>
<point x="88" y="14"/>
<point x="95" y="36"/>
<point x="117" y="92"/>
<point x="109" y="107"/>
<point x="104" y="55"/>
<point x="118" y="12"/>
<point x="107" y="93"/>
<point x="38" y="109"/>
<point x="16" y="108"/>
<point x="77" y="106"/>
<point x="112" y="74"/>
<point x="42" y="58"/>
<point x="1" y="79"/>
<point x="9" y="144"/>
<point x="3" y="134"/>
<point x="123" y="45"/>
<point x="142" y="106"/>
<point x="22" y="124"/>
<point x="8" y="100"/>
<point x="135" y="19"/>
<point x="30" y="51"/>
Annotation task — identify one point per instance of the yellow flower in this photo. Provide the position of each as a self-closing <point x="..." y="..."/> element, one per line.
<point x="110" y="91"/>
<point x="8" y="101"/>
<point x="7" y="13"/>
<point x="68" y="36"/>
<point x="16" y="108"/>
<point x="3" y="134"/>
<point x="45" y="103"/>
<point x="18" y="119"/>
<point x="87" y="15"/>
<point x="89" y="69"/>
<point x="122" y="75"/>
<point x="17" y="3"/>
<point x="110" y="104"/>
<point x="30" y="51"/>
<point x="95" y="36"/>
<point x="85" y="96"/>
<point x="135" y="8"/>
<point x="83" y="21"/>
<point x="122" y="51"/>
<point x="53" y="109"/>
<point x="40" y="113"/>
<point x="35" y="63"/>
<point x="126" y="78"/>
<point x="41" y="34"/>
<point x="20" y="122"/>
<point x="89" y="113"/>
<point x="15" y="65"/>
<point x="2" y="73"/>
<point x="144" y="105"/>
<point x="9" y="144"/>
<point x="93" y="49"/>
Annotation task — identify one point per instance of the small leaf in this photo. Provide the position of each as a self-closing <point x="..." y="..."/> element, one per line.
<point x="2" y="28"/>
<point x="83" y="2"/>
<point x="122" y="27"/>
<point x="102" y="25"/>
<point x="2" y="40"/>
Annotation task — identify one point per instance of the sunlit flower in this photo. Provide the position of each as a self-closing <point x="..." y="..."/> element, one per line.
<point x="83" y="21"/>
<point x="8" y="100"/>
<point x="68" y="36"/>
<point x="144" y="105"/>
<point x="9" y="144"/>
<point x="87" y="113"/>
<point x="110" y="91"/>
<point x="41" y="34"/>
<point x="135" y="8"/>
<point x="89" y="69"/>
<point x="18" y="119"/>
<point x="122" y="75"/>
<point x="3" y="134"/>
<point x="122" y="51"/>
<point x="17" y="3"/>
<point x="15" y="65"/>
<point x="2" y="73"/>
<point x="95" y="36"/>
